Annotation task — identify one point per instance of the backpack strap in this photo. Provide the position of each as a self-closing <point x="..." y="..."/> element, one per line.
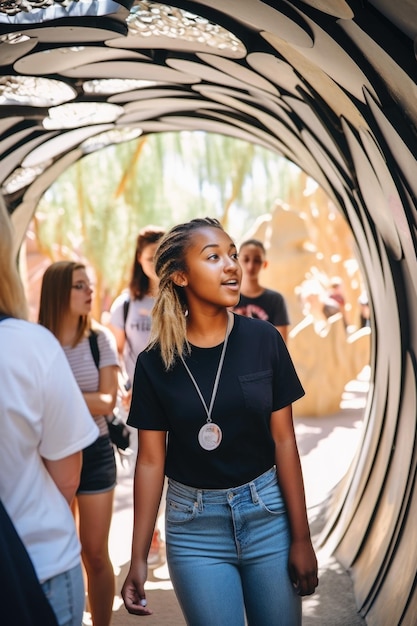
<point x="126" y="304"/>
<point x="92" y="338"/>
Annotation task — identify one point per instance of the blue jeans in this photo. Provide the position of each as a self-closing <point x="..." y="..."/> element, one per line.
<point x="65" y="593"/>
<point x="227" y="553"/>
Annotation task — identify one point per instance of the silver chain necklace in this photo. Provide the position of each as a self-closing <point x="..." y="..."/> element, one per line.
<point x="210" y="434"/>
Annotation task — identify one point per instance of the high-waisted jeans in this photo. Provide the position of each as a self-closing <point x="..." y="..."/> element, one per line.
<point x="227" y="553"/>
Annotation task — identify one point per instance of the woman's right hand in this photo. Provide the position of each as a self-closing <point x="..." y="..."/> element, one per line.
<point x="133" y="590"/>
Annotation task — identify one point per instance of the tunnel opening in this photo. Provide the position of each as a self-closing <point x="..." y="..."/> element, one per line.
<point x="280" y="73"/>
<point x="254" y="193"/>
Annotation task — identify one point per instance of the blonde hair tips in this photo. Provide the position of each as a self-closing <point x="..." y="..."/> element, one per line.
<point x="12" y="295"/>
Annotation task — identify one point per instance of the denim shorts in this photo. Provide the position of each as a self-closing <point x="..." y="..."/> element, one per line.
<point x="65" y="593"/>
<point x="98" y="473"/>
<point x="227" y="553"/>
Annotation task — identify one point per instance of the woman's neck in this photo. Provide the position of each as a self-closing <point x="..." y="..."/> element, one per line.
<point x="68" y="330"/>
<point x="251" y="291"/>
<point x="153" y="288"/>
<point x="207" y="331"/>
<point x="251" y="288"/>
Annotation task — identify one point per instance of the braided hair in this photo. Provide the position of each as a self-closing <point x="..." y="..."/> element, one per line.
<point x="170" y="308"/>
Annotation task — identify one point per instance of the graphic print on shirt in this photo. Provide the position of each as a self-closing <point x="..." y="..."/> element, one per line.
<point x="141" y="321"/>
<point x="252" y="310"/>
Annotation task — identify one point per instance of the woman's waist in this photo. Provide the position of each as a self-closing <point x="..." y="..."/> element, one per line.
<point x="219" y="495"/>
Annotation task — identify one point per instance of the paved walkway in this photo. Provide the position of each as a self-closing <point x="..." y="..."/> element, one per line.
<point x="327" y="446"/>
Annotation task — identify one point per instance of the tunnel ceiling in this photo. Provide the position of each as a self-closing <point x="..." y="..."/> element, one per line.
<point x="321" y="82"/>
<point x="329" y="84"/>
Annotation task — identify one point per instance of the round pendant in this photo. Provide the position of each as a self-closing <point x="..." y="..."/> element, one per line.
<point x="210" y="436"/>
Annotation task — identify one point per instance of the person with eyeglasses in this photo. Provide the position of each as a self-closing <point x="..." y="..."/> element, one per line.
<point x="65" y="306"/>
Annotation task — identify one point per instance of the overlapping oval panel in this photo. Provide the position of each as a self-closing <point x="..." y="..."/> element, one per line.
<point x="329" y="84"/>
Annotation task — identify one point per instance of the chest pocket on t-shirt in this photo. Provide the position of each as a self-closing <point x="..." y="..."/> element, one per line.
<point x="257" y="391"/>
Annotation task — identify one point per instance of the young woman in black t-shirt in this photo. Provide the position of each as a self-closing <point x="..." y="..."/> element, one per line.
<point x="212" y="400"/>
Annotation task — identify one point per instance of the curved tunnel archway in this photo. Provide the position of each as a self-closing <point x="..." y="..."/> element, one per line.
<point x="329" y="84"/>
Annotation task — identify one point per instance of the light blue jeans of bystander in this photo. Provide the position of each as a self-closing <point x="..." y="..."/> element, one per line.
<point x="227" y="553"/>
<point x="65" y="593"/>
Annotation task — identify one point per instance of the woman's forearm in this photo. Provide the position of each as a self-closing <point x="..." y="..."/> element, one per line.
<point x="102" y="401"/>
<point x="99" y="403"/>
<point x="147" y="489"/>
<point x="147" y="492"/>
<point x="289" y="472"/>
<point x="292" y="487"/>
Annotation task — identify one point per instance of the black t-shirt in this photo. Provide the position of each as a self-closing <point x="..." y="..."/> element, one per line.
<point x="269" y="306"/>
<point x="258" y="377"/>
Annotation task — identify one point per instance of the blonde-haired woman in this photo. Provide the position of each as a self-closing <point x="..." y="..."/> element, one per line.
<point x="12" y="295"/>
<point x="44" y="426"/>
<point x="212" y="400"/>
<point x="65" y="305"/>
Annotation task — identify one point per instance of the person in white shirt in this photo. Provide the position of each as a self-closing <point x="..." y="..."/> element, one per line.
<point x="130" y="313"/>
<point x="130" y="322"/>
<point x="45" y="423"/>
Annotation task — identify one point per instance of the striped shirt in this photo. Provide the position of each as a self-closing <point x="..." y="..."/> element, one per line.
<point x="84" y="369"/>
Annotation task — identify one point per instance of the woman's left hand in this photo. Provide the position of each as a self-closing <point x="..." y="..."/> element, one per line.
<point x="302" y="565"/>
<point x="133" y="590"/>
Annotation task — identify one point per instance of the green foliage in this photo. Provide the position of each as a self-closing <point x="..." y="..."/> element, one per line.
<point x="96" y="208"/>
